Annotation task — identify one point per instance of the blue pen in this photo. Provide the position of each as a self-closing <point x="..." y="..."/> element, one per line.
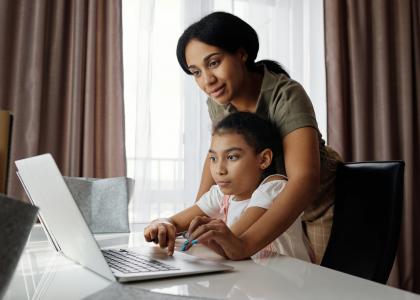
<point x="184" y="246"/>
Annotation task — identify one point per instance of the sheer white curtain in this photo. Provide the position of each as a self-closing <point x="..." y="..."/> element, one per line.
<point x="167" y="125"/>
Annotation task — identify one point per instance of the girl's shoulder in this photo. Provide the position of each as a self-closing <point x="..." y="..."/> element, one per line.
<point x="274" y="177"/>
<point x="216" y="192"/>
<point x="268" y="190"/>
<point x="272" y="185"/>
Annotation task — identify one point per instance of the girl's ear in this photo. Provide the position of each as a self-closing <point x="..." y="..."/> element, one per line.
<point x="266" y="157"/>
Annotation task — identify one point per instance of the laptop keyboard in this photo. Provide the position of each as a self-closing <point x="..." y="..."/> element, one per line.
<point x="131" y="262"/>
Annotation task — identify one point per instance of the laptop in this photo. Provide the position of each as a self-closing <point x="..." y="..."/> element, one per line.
<point x="70" y="234"/>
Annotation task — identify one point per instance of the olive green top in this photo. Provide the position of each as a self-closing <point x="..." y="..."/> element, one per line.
<point x="285" y="103"/>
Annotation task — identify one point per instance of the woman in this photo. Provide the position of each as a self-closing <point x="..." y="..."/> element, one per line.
<point x="219" y="51"/>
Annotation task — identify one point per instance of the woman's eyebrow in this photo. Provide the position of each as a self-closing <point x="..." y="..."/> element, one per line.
<point x="206" y="58"/>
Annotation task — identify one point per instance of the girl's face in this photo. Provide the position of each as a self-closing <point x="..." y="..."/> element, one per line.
<point x="234" y="165"/>
<point x="218" y="73"/>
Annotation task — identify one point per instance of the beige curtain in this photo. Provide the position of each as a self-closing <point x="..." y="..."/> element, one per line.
<point x="61" y="77"/>
<point x="373" y="91"/>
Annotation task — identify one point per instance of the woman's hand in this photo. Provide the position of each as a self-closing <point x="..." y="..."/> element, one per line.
<point x="215" y="234"/>
<point x="162" y="232"/>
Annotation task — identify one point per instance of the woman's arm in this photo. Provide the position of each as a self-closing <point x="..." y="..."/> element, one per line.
<point x="200" y="225"/>
<point x="301" y="155"/>
<point x="253" y="213"/>
<point x="206" y="180"/>
<point x="249" y="217"/>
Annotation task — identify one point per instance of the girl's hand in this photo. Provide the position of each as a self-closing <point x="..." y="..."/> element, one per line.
<point x="215" y="234"/>
<point x="162" y="232"/>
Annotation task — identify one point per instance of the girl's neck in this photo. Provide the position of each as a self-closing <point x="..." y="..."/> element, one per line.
<point x="247" y="195"/>
<point x="248" y="98"/>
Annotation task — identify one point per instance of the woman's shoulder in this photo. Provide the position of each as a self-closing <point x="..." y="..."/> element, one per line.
<point x="285" y="103"/>
<point x="278" y="81"/>
<point x="217" y="111"/>
<point x="280" y="88"/>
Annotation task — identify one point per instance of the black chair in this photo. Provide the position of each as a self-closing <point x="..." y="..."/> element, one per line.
<point x="367" y="219"/>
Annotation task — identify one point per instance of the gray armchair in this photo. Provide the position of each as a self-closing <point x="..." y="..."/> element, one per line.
<point x="16" y="221"/>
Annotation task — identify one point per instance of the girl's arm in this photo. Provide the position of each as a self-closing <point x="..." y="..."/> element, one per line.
<point x="183" y="219"/>
<point x="163" y="231"/>
<point x="301" y="155"/>
<point x="206" y="180"/>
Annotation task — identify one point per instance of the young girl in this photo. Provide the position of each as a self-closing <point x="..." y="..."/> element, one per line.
<point x="219" y="52"/>
<point x="242" y="163"/>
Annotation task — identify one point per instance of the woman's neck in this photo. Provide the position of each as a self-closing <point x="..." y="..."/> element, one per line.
<point x="247" y="99"/>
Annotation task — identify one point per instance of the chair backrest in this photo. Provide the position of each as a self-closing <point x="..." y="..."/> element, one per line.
<point x="16" y="221"/>
<point x="367" y="219"/>
<point x="5" y="142"/>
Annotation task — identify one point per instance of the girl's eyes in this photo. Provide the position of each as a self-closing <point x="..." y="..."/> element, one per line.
<point x="233" y="157"/>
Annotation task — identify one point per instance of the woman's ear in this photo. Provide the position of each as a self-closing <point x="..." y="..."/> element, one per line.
<point x="243" y="54"/>
<point x="244" y="57"/>
<point x="266" y="157"/>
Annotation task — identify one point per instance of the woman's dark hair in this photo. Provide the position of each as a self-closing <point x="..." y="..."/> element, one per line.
<point x="258" y="133"/>
<point x="227" y="32"/>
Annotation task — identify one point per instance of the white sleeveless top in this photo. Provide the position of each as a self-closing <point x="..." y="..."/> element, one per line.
<point x="217" y="205"/>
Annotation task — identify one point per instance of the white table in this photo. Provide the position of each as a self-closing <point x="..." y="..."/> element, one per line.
<point x="42" y="273"/>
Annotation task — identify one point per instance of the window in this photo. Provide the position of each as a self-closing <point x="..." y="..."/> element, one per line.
<point x="167" y="125"/>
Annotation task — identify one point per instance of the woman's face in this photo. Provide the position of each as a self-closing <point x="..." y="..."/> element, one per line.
<point x="218" y="73"/>
<point x="234" y="165"/>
